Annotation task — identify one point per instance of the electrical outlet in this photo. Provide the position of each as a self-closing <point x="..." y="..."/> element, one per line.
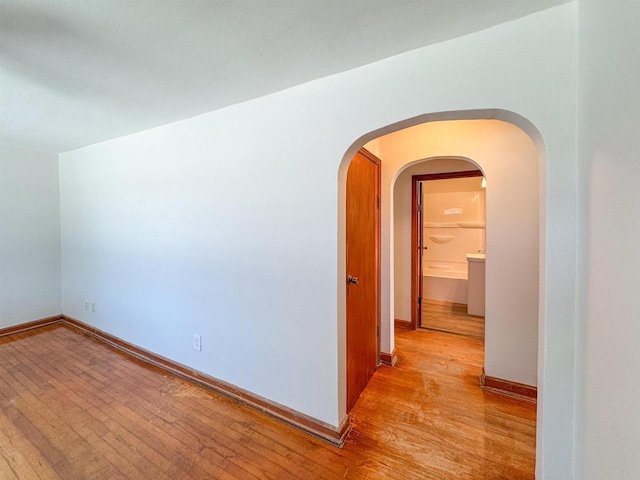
<point x="93" y="306"/>
<point x="197" y="342"/>
<point x="86" y="305"/>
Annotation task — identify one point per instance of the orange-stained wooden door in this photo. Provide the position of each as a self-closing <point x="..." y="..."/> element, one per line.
<point x="363" y="267"/>
<point x="419" y="228"/>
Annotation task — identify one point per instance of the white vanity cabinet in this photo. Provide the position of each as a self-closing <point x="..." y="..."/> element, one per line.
<point x="475" y="284"/>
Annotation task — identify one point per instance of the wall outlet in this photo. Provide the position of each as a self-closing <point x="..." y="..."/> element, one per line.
<point x="93" y="306"/>
<point x="197" y="342"/>
<point x="86" y="305"/>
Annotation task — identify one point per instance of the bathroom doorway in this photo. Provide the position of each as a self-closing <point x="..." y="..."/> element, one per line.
<point x="448" y="246"/>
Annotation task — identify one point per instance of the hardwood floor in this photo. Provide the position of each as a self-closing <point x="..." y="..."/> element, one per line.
<point x="73" y="408"/>
<point x="451" y="318"/>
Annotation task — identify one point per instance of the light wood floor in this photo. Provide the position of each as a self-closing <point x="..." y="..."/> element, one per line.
<point x="73" y="408"/>
<point x="451" y="318"/>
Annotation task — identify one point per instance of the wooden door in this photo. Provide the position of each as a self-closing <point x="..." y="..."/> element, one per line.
<point x="419" y="247"/>
<point x="363" y="267"/>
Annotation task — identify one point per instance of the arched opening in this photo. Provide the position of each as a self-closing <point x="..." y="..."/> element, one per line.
<point x="493" y="140"/>
<point x="439" y="218"/>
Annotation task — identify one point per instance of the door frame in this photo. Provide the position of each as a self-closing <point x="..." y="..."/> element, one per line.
<point x="378" y="283"/>
<point x="416" y="253"/>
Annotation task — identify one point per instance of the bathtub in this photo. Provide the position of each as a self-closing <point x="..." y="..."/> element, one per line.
<point x="444" y="281"/>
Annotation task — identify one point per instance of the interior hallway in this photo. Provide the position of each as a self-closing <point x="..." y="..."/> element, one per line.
<point x="74" y="408"/>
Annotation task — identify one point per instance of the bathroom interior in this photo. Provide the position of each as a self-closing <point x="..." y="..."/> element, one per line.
<point x="454" y="254"/>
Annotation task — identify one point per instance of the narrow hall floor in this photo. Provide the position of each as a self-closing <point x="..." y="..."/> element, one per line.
<point x="430" y="413"/>
<point x="74" y="408"/>
<point x="451" y="318"/>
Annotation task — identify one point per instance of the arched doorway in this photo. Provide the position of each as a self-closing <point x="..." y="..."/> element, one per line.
<point x="440" y="235"/>
<point x="443" y="140"/>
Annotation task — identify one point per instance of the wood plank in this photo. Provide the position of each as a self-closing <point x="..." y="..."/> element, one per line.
<point x="451" y="318"/>
<point x="389" y="359"/>
<point x="23" y="327"/>
<point x="297" y="419"/>
<point x="509" y="388"/>
<point x="72" y="407"/>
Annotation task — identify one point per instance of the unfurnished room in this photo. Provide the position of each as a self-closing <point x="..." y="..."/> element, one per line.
<point x="290" y="239"/>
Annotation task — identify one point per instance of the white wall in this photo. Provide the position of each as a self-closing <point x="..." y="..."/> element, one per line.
<point x="509" y="160"/>
<point x="29" y="235"/>
<point x="402" y="227"/>
<point x="608" y="364"/>
<point x="164" y="230"/>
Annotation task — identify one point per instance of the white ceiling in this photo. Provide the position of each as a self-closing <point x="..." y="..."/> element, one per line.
<point x="78" y="72"/>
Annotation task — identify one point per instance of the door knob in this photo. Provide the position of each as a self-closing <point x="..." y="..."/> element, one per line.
<point x="353" y="280"/>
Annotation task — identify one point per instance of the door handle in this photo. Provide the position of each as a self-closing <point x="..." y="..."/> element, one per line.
<point x="352" y="280"/>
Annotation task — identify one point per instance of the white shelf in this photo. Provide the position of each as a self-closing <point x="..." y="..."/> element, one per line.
<point x="454" y="225"/>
